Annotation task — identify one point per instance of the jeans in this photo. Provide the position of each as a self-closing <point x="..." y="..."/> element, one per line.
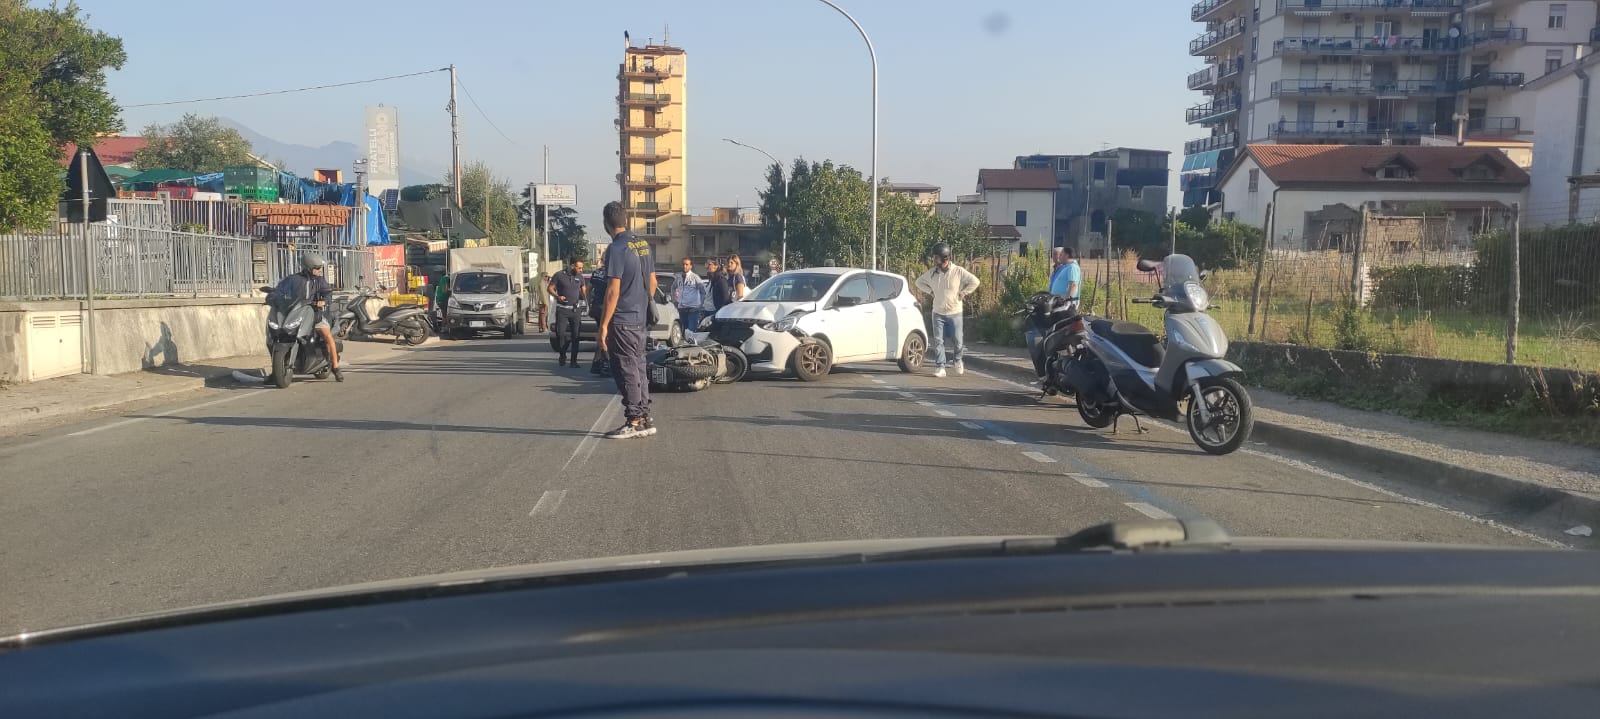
<point x="690" y="318"/>
<point x="567" y="334"/>
<point x="625" y="349"/>
<point x="947" y="325"/>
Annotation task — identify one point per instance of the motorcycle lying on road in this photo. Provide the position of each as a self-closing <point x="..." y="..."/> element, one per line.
<point x="693" y="366"/>
<point x="293" y="341"/>
<point x="1128" y="370"/>
<point x="1059" y="331"/>
<point x="408" y="323"/>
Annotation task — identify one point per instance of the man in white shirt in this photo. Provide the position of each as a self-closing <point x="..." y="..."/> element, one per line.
<point x="948" y="284"/>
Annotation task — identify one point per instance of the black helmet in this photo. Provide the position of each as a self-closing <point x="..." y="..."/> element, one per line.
<point x="311" y="260"/>
<point x="940" y="251"/>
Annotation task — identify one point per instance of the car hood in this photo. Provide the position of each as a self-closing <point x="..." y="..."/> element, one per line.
<point x="480" y="297"/>
<point x="635" y="567"/>
<point x="765" y="311"/>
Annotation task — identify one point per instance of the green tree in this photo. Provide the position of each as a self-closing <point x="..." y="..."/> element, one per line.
<point x="504" y="226"/>
<point x="52" y="92"/>
<point x="1198" y="218"/>
<point x="194" y="144"/>
<point x="1147" y="234"/>
<point x="568" y="237"/>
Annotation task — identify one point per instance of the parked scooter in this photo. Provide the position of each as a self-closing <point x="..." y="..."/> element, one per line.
<point x="293" y="341"/>
<point x="1058" y="335"/>
<point x="1128" y="370"/>
<point x="408" y="323"/>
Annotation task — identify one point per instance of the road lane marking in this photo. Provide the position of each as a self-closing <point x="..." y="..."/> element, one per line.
<point x="1001" y="440"/>
<point x="944" y="413"/>
<point x="1148" y="510"/>
<point x="548" y="502"/>
<point x="1087" y="481"/>
<point x="906" y="395"/>
<point x="924" y="403"/>
<point x="972" y="425"/>
<point x="586" y="446"/>
<point x="167" y="413"/>
<point x="879" y="381"/>
<point x="1002" y="380"/>
<point x="1039" y="456"/>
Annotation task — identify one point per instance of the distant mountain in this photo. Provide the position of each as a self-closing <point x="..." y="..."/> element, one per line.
<point x="302" y="159"/>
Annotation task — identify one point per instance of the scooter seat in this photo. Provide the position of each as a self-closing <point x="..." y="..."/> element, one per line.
<point x="387" y="310"/>
<point x="1138" y="341"/>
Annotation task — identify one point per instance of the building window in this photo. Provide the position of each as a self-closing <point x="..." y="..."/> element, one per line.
<point x="1136" y="193"/>
<point x="1099" y="170"/>
<point x="1558" y="15"/>
<point x="1395" y="172"/>
<point x="649" y="227"/>
<point x="1022" y="218"/>
<point x="1552" y="61"/>
<point x="1255" y="180"/>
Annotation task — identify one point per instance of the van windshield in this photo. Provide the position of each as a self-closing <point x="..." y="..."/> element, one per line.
<point x="481" y="283"/>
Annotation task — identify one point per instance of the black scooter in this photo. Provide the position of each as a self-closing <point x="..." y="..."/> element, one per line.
<point x="1059" y="333"/>
<point x="409" y="323"/>
<point x="293" y="341"/>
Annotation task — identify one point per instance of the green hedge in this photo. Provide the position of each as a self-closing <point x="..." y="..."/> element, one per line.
<point x="1431" y="288"/>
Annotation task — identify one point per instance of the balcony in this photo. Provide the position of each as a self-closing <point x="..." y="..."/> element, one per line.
<point x="1207" y="9"/>
<point x="1490" y="79"/>
<point x="648" y="181"/>
<point x="1203" y="79"/>
<point x="1494" y="126"/>
<point x="1314" y="8"/>
<point x="1495" y="36"/>
<point x="1362" y="88"/>
<point x="649" y="74"/>
<point x="1215" y="142"/>
<point x="1204" y="44"/>
<point x="1392" y="45"/>
<point x="659" y="128"/>
<point x="1212" y="112"/>
<point x="647" y="207"/>
<point x="646" y="156"/>
<point x="1346" y="131"/>
<point x="646" y="98"/>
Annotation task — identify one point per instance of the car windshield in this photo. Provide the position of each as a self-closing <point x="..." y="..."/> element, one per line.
<point x="1390" y="329"/>
<point x="793" y="287"/>
<point x="483" y="283"/>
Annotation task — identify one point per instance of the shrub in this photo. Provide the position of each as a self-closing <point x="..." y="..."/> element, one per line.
<point x="1430" y="288"/>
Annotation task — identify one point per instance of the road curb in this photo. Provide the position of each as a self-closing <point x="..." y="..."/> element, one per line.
<point x="1511" y="494"/>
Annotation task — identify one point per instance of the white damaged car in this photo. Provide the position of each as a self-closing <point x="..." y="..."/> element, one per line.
<point x="807" y="321"/>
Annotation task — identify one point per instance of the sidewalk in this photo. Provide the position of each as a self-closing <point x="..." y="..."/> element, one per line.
<point x="29" y="402"/>
<point x="1559" y="481"/>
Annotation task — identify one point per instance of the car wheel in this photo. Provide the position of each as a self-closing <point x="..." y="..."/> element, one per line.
<point x="675" y="335"/>
<point x="913" y="352"/>
<point x="812" y="360"/>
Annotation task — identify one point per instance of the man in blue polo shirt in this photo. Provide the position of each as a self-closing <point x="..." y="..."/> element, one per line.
<point x="630" y="284"/>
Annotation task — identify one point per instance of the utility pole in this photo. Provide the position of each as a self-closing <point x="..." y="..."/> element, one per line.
<point x="486" y="201"/>
<point x="1516" y="284"/>
<point x="455" y="136"/>
<point x="88" y="256"/>
<point x="1261" y="266"/>
<point x="1174" y="232"/>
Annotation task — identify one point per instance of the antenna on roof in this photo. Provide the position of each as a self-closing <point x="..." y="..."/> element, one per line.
<point x="666" y="35"/>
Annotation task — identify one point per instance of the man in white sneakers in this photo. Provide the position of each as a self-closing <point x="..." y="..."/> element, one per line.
<point x="949" y="285"/>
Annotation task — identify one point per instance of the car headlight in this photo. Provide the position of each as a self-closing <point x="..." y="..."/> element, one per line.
<point x="706" y="322"/>
<point x="786" y="324"/>
<point x="452" y="302"/>
<point x="1198" y="298"/>
<point x="501" y="304"/>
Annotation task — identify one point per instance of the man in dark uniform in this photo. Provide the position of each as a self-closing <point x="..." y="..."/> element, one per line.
<point x="630" y="285"/>
<point x="569" y="290"/>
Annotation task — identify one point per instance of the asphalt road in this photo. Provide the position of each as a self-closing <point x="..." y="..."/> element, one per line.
<point x="484" y="453"/>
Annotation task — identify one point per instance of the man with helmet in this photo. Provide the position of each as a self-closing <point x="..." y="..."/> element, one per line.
<point x="308" y="284"/>
<point x="948" y="284"/>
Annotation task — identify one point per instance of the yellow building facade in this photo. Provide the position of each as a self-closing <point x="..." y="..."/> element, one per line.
<point x="653" y="151"/>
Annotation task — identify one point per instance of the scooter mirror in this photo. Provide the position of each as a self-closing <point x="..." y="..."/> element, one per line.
<point x="265" y="288"/>
<point x="1147" y="265"/>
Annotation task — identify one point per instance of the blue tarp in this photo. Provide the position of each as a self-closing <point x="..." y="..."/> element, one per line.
<point x="377" y="229"/>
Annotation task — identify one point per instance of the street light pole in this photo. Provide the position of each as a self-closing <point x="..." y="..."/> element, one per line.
<point x="783" y="255"/>
<point x="873" y="262"/>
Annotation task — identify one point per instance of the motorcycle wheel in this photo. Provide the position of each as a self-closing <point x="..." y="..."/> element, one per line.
<point x="414" y="332"/>
<point x="343" y="331"/>
<point x="1095" y="414"/>
<point x="281" y="375"/>
<point x="737" y="363"/>
<point x="1228" y="405"/>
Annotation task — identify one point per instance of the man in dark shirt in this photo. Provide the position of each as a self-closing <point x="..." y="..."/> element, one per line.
<point x="308" y="284"/>
<point x="630" y="285"/>
<point x="569" y="290"/>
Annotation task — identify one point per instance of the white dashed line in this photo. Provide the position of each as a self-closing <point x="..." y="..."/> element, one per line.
<point x="907" y="395"/>
<point x="1148" y="510"/>
<point x="944" y="413"/>
<point x="972" y="425"/>
<point x="1087" y="481"/>
<point x="548" y="502"/>
<point x="586" y="446"/>
<point x="1001" y="440"/>
<point x="167" y="413"/>
<point x="1038" y="456"/>
<point x="924" y="403"/>
<point x="878" y="381"/>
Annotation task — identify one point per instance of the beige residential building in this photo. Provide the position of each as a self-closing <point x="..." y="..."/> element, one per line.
<point x="653" y="151"/>
<point x="1369" y="72"/>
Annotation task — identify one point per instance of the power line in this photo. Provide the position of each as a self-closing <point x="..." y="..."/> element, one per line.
<point x="485" y="115"/>
<point x="286" y="92"/>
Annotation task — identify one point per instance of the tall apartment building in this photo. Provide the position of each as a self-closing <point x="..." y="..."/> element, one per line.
<point x="1369" y="72"/>
<point x="650" y="128"/>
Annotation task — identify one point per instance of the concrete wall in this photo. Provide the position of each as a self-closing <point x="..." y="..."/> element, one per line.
<point x="1040" y="206"/>
<point x="133" y="335"/>
<point x="1556" y="120"/>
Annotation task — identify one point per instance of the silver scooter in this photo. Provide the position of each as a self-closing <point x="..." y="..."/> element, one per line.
<point x="1129" y="370"/>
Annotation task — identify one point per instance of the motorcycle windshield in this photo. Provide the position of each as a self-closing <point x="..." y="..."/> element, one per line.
<point x="1177" y="270"/>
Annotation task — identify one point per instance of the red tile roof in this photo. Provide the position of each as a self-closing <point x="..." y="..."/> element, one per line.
<point x="1033" y="178"/>
<point x="1356" y="164"/>
<point x="111" y="150"/>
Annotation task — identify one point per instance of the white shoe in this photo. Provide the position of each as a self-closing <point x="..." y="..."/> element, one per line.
<point x="961" y="369"/>
<point x="939" y="373"/>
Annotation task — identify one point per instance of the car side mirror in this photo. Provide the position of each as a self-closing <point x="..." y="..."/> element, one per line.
<point x="516" y="289"/>
<point x="846" y="301"/>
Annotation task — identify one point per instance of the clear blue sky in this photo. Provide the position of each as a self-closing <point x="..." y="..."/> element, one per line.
<point x="964" y="85"/>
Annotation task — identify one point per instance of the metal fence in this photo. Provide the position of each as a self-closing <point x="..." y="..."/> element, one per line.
<point x="347" y="267"/>
<point x="127" y="263"/>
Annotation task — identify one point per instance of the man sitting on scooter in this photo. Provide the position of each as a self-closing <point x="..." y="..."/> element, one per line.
<point x="308" y="284"/>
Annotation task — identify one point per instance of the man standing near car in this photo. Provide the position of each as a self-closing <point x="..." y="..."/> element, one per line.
<point x="721" y="290"/>
<point x="690" y="296"/>
<point x="569" y="290"/>
<point x="948" y="284"/>
<point x="630" y="285"/>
